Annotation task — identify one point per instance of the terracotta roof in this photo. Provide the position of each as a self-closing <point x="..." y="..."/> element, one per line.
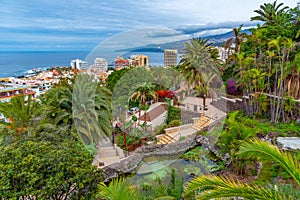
<point x="152" y="114"/>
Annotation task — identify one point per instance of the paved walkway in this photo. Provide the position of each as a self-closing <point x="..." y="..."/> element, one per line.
<point x="107" y="154"/>
<point x="210" y="115"/>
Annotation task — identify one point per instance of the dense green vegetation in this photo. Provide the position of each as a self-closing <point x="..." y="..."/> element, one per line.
<point x="46" y="165"/>
<point x="47" y="146"/>
<point x="265" y="63"/>
<point x="43" y="153"/>
<point x="208" y="187"/>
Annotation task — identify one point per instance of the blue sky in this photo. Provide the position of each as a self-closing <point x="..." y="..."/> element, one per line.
<point x="83" y="24"/>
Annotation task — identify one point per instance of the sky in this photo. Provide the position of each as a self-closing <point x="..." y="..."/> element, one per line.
<point x="81" y="25"/>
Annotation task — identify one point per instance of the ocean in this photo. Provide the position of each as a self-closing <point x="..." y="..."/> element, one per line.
<point x="16" y="63"/>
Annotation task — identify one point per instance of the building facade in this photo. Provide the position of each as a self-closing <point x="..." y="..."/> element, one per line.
<point x="139" y="60"/>
<point x="224" y="53"/>
<point x="170" y="57"/>
<point x="100" y="65"/>
<point x="121" y="63"/>
<point x="79" y="64"/>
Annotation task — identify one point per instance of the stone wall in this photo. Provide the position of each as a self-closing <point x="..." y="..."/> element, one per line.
<point x="130" y="163"/>
<point x="228" y="105"/>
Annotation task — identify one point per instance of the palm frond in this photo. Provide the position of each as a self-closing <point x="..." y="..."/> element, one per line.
<point x="265" y="151"/>
<point x="210" y="187"/>
<point x="117" y="189"/>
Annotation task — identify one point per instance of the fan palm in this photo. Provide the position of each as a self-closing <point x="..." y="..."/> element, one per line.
<point x="210" y="186"/>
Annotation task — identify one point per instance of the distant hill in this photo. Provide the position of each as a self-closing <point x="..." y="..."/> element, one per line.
<point x="216" y="40"/>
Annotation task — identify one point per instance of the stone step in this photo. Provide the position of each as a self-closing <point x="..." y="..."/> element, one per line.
<point x="107" y="153"/>
<point x="106" y="148"/>
<point x="105" y="144"/>
<point x="202" y="124"/>
<point x="161" y="142"/>
<point x="164" y="140"/>
<point x="109" y="160"/>
<point x="167" y="139"/>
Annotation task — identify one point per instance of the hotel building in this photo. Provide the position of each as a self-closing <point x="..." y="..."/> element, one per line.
<point x="100" y="65"/>
<point x="79" y="64"/>
<point x="170" y="57"/>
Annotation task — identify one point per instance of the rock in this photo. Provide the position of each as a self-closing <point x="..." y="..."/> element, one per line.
<point x="288" y="143"/>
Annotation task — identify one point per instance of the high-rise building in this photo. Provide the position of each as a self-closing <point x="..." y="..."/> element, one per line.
<point x="79" y="64"/>
<point x="298" y="5"/>
<point x="100" y="65"/>
<point x="170" y="57"/>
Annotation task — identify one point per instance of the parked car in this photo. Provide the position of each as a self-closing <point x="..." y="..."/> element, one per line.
<point x="132" y="111"/>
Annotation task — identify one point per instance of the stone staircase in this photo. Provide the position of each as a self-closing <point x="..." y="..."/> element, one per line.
<point x="202" y="122"/>
<point x="166" y="139"/>
<point x="107" y="154"/>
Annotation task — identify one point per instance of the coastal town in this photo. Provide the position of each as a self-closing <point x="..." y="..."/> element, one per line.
<point x="218" y="118"/>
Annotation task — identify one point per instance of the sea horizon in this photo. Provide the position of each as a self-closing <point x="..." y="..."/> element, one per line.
<point x="16" y="63"/>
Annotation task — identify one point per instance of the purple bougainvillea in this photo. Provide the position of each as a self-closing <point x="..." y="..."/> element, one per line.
<point x="231" y="87"/>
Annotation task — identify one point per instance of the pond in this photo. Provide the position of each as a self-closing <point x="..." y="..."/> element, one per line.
<point x="154" y="167"/>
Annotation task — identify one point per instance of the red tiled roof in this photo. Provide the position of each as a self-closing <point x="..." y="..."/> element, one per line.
<point x="152" y="114"/>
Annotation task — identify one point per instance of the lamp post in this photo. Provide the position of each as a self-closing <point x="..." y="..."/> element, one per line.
<point x="114" y="134"/>
<point x="204" y="102"/>
<point x="125" y="145"/>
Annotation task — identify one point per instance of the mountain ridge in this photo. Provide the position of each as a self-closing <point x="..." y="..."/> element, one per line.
<point x="216" y="40"/>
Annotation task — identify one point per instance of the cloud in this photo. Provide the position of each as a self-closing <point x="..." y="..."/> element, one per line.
<point x="194" y="28"/>
<point x="87" y="20"/>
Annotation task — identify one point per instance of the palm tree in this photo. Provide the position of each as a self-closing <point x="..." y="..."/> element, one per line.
<point x="199" y="64"/>
<point x="267" y="152"/>
<point x="120" y="189"/>
<point x="82" y="102"/>
<point x="211" y="186"/>
<point x="117" y="189"/>
<point x="142" y="92"/>
<point x="237" y="39"/>
<point x="57" y="104"/>
<point x="21" y="112"/>
<point x="91" y="109"/>
<point x="282" y="47"/>
<point x="271" y="13"/>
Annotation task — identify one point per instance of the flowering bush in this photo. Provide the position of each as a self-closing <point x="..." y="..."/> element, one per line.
<point x="231" y="87"/>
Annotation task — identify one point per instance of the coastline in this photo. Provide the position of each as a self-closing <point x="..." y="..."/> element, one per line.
<point x="16" y="63"/>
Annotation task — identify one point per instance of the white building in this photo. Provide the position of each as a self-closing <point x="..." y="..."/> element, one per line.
<point x="224" y="53"/>
<point x="79" y="64"/>
<point x="100" y="65"/>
